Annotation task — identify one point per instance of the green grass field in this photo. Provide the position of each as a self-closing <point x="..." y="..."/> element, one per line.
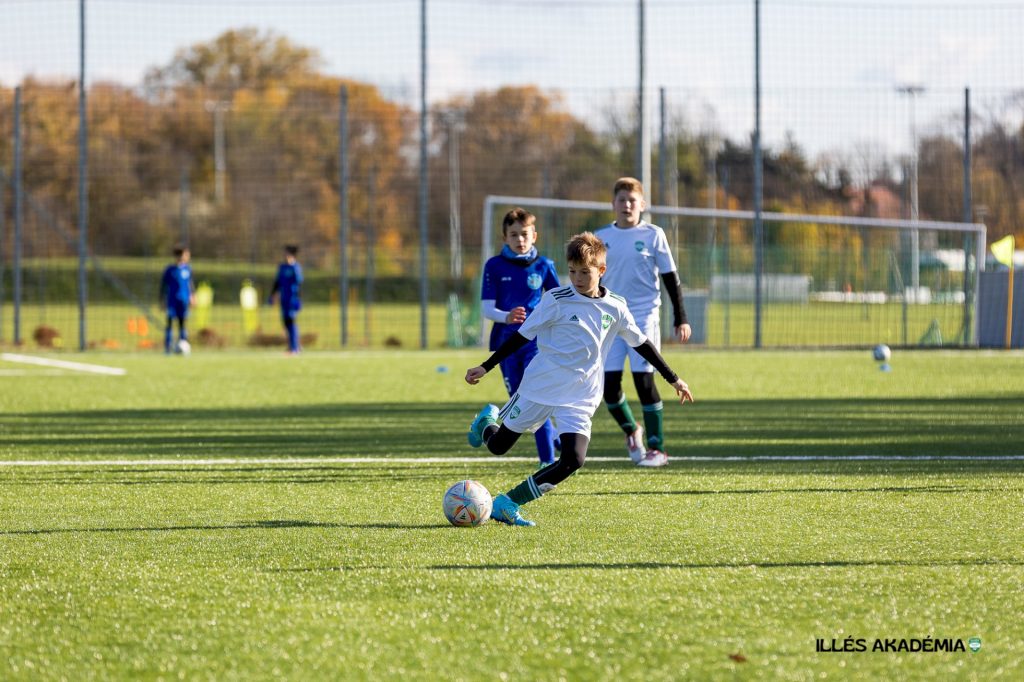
<point x="309" y="543"/>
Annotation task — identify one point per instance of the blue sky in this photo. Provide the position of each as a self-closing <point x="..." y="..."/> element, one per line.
<point x="830" y="67"/>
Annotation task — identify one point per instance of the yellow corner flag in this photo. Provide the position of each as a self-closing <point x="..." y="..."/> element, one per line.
<point x="1003" y="250"/>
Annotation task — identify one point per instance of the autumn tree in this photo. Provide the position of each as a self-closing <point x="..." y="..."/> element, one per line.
<point x="516" y="141"/>
<point x="236" y="60"/>
<point x="281" y="124"/>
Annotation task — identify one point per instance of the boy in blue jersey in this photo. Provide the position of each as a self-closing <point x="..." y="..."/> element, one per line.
<point x="177" y="290"/>
<point x="288" y="284"/>
<point x="513" y="284"/>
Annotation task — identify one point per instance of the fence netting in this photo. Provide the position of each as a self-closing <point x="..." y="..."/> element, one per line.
<point x="218" y="124"/>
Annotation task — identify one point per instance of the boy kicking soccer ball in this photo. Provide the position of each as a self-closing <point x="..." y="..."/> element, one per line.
<point x="574" y="327"/>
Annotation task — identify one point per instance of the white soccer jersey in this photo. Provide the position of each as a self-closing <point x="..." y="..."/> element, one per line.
<point x="637" y="256"/>
<point x="574" y="333"/>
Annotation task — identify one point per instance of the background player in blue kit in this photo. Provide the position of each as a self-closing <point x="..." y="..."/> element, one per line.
<point x="288" y="284"/>
<point x="177" y="290"/>
<point x="513" y="284"/>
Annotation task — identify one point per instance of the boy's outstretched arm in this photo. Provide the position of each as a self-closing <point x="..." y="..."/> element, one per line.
<point x="649" y="353"/>
<point x="511" y="345"/>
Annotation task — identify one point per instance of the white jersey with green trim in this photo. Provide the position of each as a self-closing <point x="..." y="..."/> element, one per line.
<point x="637" y="256"/>
<point x="574" y="334"/>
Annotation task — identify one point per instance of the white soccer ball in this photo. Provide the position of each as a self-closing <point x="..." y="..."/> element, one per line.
<point x="881" y="353"/>
<point x="183" y="347"/>
<point x="467" y="503"/>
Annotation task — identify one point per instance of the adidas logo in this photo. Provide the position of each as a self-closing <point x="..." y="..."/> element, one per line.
<point x="574" y="319"/>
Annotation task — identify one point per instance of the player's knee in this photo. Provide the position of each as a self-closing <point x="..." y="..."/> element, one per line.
<point x="646" y="390"/>
<point x="613" y="388"/>
<point x="574" y="451"/>
<point x="500" y="440"/>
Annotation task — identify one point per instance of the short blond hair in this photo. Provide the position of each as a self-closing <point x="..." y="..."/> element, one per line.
<point x="628" y="184"/>
<point x="585" y="249"/>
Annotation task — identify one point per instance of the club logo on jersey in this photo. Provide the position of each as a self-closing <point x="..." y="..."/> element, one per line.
<point x="515" y="412"/>
<point x="639" y="245"/>
<point x="606" y="321"/>
<point x="534" y="281"/>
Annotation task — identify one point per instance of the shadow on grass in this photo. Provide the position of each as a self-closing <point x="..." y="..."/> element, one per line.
<point x="660" y="565"/>
<point x="355" y="474"/>
<point x="726" y="564"/>
<point x="254" y="525"/>
<point x="899" y="490"/>
<point x="988" y="426"/>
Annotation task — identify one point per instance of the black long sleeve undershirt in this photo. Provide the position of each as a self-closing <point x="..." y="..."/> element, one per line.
<point x="511" y="345"/>
<point x="646" y="350"/>
<point x="649" y="353"/>
<point x="670" y="280"/>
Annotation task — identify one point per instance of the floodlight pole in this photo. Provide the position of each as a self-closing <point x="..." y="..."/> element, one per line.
<point x="217" y="108"/>
<point x="454" y="121"/>
<point x="912" y="90"/>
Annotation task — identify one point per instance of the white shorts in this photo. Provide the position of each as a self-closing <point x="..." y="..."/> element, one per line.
<point x="620" y="350"/>
<point x="525" y="416"/>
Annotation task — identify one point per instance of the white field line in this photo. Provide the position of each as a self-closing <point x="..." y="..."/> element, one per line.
<point x="63" y="364"/>
<point x="30" y="372"/>
<point x="286" y="461"/>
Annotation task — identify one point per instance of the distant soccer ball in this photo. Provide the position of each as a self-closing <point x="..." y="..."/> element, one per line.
<point x="881" y="353"/>
<point x="467" y="503"/>
<point x="183" y="347"/>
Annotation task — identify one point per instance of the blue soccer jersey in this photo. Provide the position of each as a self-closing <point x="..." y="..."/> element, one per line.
<point x="514" y="282"/>
<point x="288" y="284"/>
<point x="176" y="285"/>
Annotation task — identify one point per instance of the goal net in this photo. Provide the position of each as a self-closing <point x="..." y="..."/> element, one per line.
<point x="826" y="281"/>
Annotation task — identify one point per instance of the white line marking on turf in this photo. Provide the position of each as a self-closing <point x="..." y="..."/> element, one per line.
<point x="284" y="461"/>
<point x="31" y="372"/>
<point x="63" y="364"/>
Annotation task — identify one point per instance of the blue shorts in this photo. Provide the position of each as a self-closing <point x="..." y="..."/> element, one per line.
<point x="177" y="309"/>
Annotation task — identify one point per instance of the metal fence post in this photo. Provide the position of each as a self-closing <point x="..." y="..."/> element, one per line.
<point x="758" y="179"/>
<point x="19" y="204"/>
<point x="83" y="191"/>
<point x="968" y="335"/>
<point x="643" y="138"/>
<point x="3" y="230"/>
<point x="371" y="238"/>
<point x="343" y="211"/>
<point x="423" y="175"/>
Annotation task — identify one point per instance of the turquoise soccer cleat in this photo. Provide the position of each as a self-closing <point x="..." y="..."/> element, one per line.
<point x="486" y="417"/>
<point x="504" y="510"/>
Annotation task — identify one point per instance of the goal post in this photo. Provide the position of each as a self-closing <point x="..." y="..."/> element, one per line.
<point x="828" y="281"/>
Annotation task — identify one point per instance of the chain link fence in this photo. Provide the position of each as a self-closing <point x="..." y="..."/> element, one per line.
<point x="219" y="124"/>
